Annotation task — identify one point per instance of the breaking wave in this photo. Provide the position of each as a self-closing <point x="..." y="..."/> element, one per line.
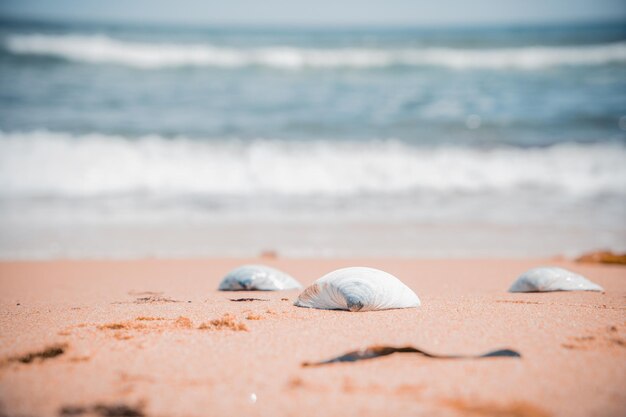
<point x="44" y="163"/>
<point x="100" y="49"/>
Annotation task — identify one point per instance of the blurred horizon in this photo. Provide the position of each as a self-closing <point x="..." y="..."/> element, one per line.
<point x="321" y="14"/>
<point x="20" y="20"/>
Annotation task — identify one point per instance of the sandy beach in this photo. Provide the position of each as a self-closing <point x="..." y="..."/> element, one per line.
<point x="155" y="338"/>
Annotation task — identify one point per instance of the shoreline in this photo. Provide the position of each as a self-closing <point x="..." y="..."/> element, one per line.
<point x="293" y="240"/>
<point x="157" y="337"/>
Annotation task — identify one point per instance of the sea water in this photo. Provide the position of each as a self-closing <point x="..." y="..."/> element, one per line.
<point x="132" y="141"/>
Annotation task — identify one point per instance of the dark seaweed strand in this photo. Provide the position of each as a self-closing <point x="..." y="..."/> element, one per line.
<point x="47" y="353"/>
<point x="378" y="351"/>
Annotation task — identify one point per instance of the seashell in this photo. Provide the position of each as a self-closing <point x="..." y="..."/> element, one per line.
<point x="257" y="278"/>
<point x="546" y="279"/>
<point x="357" y="289"/>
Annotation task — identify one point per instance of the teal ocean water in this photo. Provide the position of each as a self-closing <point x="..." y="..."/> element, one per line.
<point x="105" y="126"/>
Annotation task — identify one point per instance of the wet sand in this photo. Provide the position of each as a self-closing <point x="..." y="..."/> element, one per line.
<point x="155" y="338"/>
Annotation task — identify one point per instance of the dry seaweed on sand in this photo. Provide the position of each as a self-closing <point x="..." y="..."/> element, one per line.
<point x="496" y="409"/>
<point x="47" y="353"/>
<point x="155" y="299"/>
<point x="103" y="410"/>
<point x="247" y="299"/>
<point x="603" y="257"/>
<point x="226" y="322"/>
<point x="150" y="299"/>
<point x="378" y="351"/>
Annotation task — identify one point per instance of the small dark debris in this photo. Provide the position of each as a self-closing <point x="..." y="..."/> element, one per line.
<point x="152" y="299"/>
<point x="378" y="351"/>
<point x="72" y="410"/>
<point x="247" y="299"/>
<point x="618" y="342"/>
<point x="47" y="353"/>
<point x="118" y="410"/>
<point x="517" y="302"/>
<point x="18" y="304"/>
<point x="284" y="299"/>
<point x="102" y="410"/>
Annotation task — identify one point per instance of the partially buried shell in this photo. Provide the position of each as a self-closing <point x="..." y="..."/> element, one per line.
<point x="257" y="278"/>
<point x="546" y="279"/>
<point x="357" y="289"/>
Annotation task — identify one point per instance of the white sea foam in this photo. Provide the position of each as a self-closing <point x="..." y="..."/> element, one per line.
<point x="58" y="164"/>
<point x="100" y="49"/>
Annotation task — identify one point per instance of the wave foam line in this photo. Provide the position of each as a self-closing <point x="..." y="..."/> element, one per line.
<point x="60" y="164"/>
<point x="100" y="49"/>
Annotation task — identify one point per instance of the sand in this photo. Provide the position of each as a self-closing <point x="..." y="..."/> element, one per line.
<point x="155" y="338"/>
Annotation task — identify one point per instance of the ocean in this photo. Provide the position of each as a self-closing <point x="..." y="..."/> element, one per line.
<point x="138" y="141"/>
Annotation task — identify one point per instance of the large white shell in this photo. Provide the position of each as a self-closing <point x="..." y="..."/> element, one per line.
<point x="357" y="289"/>
<point x="257" y="278"/>
<point x="552" y="279"/>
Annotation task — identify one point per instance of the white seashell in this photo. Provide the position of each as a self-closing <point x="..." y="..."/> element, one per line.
<point x="552" y="279"/>
<point x="357" y="289"/>
<point x="257" y="278"/>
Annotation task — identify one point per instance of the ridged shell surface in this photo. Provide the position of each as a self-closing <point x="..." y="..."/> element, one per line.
<point x="358" y="289"/>
<point x="545" y="279"/>
<point x="258" y="278"/>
